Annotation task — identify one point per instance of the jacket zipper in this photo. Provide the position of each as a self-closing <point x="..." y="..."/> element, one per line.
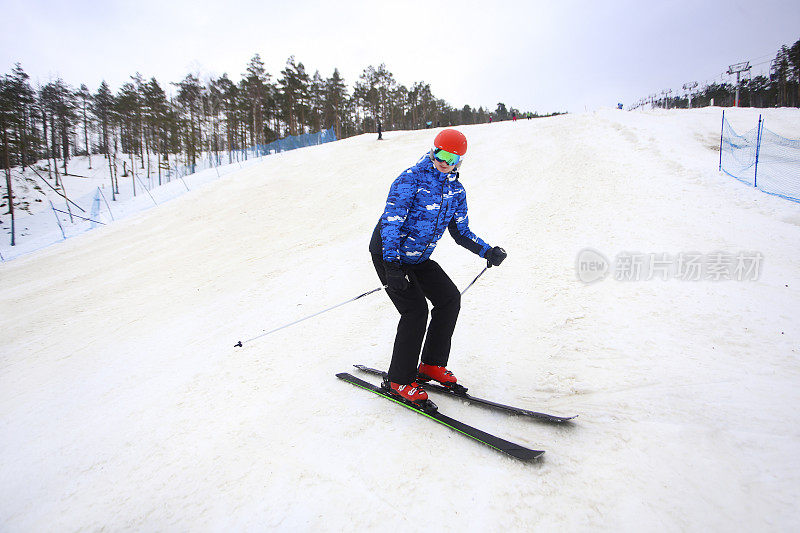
<point x="436" y="227"/>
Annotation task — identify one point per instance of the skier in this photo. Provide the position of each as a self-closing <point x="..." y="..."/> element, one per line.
<point x="380" y="131"/>
<point x="423" y="201"/>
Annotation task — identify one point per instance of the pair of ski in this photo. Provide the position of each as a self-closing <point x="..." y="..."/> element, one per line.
<point x="430" y="410"/>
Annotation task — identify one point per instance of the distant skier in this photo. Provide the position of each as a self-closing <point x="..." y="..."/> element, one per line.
<point x="423" y="201"/>
<point x="380" y="131"/>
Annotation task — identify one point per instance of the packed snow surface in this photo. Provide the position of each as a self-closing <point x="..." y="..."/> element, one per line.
<point x="125" y="406"/>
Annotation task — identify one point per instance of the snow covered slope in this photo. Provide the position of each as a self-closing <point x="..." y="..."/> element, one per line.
<point x="92" y="203"/>
<point x="124" y="405"/>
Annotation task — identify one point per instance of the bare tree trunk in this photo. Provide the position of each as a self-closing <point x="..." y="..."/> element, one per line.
<point x="24" y="139"/>
<point x="86" y="136"/>
<point x="65" y="146"/>
<point x="69" y="210"/>
<point x="111" y="176"/>
<point x="133" y="175"/>
<point x="254" y="137"/>
<point x="44" y="130"/>
<point x="8" y="186"/>
<point x="192" y="142"/>
<point x="112" y="167"/>
<point x="54" y="148"/>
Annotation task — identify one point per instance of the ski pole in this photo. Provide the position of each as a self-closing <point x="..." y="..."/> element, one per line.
<point x="241" y="343"/>
<point x="476" y="279"/>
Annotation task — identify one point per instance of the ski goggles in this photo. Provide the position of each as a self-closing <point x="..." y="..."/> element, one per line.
<point x="446" y="157"/>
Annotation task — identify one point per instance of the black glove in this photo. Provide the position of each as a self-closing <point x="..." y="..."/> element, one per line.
<point x="494" y="256"/>
<point x="395" y="277"/>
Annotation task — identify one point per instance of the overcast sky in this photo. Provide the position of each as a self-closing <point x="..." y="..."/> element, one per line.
<point x="556" y="55"/>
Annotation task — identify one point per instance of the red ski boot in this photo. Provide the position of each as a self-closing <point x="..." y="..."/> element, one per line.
<point x="436" y="373"/>
<point x="412" y="392"/>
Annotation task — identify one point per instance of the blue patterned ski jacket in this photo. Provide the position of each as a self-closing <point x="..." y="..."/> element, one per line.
<point x="422" y="204"/>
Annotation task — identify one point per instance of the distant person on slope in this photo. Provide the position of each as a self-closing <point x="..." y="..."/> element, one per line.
<point x="423" y="201"/>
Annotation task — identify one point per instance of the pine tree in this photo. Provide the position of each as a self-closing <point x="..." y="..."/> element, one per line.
<point x="189" y="94"/>
<point x="467" y="116"/>
<point x="229" y="95"/>
<point x="85" y="98"/>
<point x="47" y="104"/>
<point x="316" y="102"/>
<point x="215" y="112"/>
<point x="155" y="100"/>
<point x="103" y="105"/>
<point x="779" y="74"/>
<point x="294" y="90"/>
<point x="424" y="103"/>
<point x="304" y="97"/>
<point x="140" y="116"/>
<point x="22" y="105"/>
<point x="793" y="55"/>
<point x="64" y="111"/>
<point x="127" y="107"/>
<point x="335" y="102"/>
<point x="501" y="113"/>
<point x="759" y="88"/>
<point x="57" y="105"/>
<point x="6" y="117"/>
<point x="400" y="108"/>
<point x="256" y="81"/>
<point x="365" y="93"/>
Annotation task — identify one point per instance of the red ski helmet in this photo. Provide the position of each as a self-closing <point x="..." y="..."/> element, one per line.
<point x="452" y="141"/>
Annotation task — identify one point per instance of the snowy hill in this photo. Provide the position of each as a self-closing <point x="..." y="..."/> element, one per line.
<point x="124" y="405"/>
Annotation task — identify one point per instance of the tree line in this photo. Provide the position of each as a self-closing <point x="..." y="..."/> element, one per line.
<point x="56" y="121"/>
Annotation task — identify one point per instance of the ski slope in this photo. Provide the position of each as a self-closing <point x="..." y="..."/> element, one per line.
<point x="125" y="406"/>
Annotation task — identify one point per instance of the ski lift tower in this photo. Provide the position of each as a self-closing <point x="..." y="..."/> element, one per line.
<point x="688" y="88"/>
<point x="737" y="69"/>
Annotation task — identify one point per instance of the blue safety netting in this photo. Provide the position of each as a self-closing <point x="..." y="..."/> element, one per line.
<point x="215" y="159"/>
<point x="778" y="165"/>
<point x="140" y="192"/>
<point x="296" y="141"/>
<point x="763" y="159"/>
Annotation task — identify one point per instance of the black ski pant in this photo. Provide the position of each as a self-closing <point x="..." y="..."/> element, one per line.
<point x="428" y="281"/>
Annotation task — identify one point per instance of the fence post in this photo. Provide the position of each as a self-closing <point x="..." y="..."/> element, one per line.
<point x="758" y="149"/>
<point x="721" y="131"/>
<point x="106" y="201"/>
<point x="148" y="192"/>
<point x="58" y="220"/>
<point x="95" y="207"/>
